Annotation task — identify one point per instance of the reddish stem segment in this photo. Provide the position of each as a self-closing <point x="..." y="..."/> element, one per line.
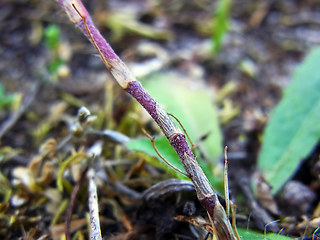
<point x="205" y="193"/>
<point x="139" y="93"/>
<point x="178" y="141"/>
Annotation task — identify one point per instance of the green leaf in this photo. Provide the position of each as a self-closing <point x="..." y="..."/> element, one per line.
<point x="293" y="128"/>
<point x="144" y="145"/>
<point x="249" y="235"/>
<point x="193" y="105"/>
<point x="74" y="159"/>
<point x="5" y="99"/>
<point x="145" y="149"/>
<point x="52" y="36"/>
<point x="220" y="23"/>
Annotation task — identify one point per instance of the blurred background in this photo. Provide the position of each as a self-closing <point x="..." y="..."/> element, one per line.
<point x="241" y="53"/>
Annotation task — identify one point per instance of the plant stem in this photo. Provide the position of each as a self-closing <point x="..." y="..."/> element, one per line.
<point x="205" y="193"/>
<point x="93" y="206"/>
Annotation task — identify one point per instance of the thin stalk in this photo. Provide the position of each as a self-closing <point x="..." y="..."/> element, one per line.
<point x="93" y="206"/>
<point x="73" y="198"/>
<point x="159" y="154"/>
<point x="205" y="193"/>
<point x="234" y="225"/>
<point x="226" y="181"/>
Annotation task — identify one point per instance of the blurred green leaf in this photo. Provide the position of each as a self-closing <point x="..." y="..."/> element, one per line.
<point x="54" y="65"/>
<point x="249" y="235"/>
<point x="60" y="211"/>
<point x="221" y="20"/>
<point x="5" y="99"/>
<point x="5" y="189"/>
<point x="293" y="128"/>
<point x="52" y="41"/>
<point x="193" y="106"/>
<point x="52" y="36"/>
<point x="74" y="159"/>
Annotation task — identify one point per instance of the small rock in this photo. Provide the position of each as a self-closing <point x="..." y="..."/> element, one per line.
<point x="296" y="198"/>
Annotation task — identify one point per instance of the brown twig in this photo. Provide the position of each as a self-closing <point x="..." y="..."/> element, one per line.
<point x="234" y="225"/>
<point x="71" y="204"/>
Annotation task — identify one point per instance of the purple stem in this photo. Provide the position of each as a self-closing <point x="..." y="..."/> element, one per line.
<point x="205" y="193"/>
<point x="99" y="40"/>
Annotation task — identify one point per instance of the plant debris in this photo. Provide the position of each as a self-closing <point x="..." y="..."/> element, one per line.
<point x="48" y="140"/>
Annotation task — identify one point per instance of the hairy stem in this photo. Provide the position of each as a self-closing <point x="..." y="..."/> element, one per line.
<point x="205" y="193"/>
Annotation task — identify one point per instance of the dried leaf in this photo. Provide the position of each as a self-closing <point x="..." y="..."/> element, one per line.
<point x="58" y="230"/>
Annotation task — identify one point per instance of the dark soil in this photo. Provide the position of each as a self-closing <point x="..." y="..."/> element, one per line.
<point x="272" y="37"/>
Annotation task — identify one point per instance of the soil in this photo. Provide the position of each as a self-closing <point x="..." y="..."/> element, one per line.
<point x="266" y="41"/>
